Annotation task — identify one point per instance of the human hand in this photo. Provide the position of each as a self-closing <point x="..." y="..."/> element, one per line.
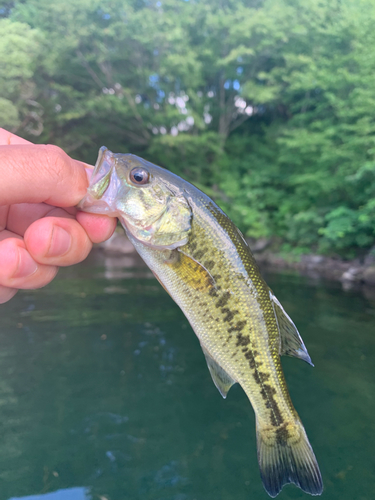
<point x="40" y="230"/>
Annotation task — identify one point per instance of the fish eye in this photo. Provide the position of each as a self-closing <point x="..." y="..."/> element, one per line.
<point x="139" y="176"/>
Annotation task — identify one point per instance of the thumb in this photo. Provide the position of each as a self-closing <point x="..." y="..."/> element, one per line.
<point x="40" y="174"/>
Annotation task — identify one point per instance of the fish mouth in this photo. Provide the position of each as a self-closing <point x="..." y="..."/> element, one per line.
<point x="101" y="193"/>
<point x="93" y="205"/>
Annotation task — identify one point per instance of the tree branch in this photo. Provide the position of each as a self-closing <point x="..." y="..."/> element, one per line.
<point x="90" y="71"/>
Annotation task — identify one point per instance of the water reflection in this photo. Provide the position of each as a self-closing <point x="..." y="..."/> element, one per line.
<point x="103" y="383"/>
<point x="65" y="494"/>
<point x="125" y="266"/>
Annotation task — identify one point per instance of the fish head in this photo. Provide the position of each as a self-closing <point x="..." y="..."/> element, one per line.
<point x="151" y="207"/>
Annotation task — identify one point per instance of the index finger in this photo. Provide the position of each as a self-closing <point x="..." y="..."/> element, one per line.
<point x="7" y="138"/>
<point x="38" y="173"/>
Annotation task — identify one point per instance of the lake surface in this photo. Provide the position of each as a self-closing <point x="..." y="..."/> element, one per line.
<point x="105" y="393"/>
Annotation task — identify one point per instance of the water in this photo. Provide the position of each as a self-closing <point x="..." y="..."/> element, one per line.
<point x="105" y="394"/>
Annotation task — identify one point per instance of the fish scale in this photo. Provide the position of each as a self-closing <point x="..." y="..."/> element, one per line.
<point x="230" y="317"/>
<point x="204" y="263"/>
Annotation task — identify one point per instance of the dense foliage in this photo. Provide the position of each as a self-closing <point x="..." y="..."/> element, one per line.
<point x="269" y="105"/>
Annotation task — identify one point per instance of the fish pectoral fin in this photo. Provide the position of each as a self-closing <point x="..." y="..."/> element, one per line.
<point x="291" y="343"/>
<point x="221" y="379"/>
<point x="191" y="271"/>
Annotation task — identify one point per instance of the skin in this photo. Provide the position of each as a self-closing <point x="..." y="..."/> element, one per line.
<point x="40" y="230"/>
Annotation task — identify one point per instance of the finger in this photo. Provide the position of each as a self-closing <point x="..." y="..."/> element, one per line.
<point x="57" y="241"/>
<point x="98" y="227"/>
<point x="7" y="138"/>
<point x="6" y="293"/>
<point x="22" y="215"/>
<point x="5" y="234"/>
<point x="40" y="174"/>
<point x="3" y="216"/>
<point x="19" y="270"/>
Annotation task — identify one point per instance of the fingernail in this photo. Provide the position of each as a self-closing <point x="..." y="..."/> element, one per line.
<point x="60" y="242"/>
<point x="26" y="264"/>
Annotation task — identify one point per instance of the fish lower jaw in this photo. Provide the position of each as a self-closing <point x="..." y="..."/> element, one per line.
<point x="92" y="205"/>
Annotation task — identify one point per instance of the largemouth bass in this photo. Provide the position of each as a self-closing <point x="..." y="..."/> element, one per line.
<point x="204" y="263"/>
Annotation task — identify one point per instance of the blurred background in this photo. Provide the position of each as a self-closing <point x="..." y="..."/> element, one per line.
<point x="269" y="106"/>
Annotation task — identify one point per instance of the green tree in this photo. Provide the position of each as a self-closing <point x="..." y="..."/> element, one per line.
<point x="19" y="49"/>
<point x="268" y="105"/>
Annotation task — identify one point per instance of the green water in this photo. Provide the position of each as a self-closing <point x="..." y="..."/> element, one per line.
<point x="105" y="394"/>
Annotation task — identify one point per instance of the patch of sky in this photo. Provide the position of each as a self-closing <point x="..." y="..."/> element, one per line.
<point x="180" y="102"/>
<point x="154" y="80"/>
<point x="239" y="70"/>
<point x="160" y="94"/>
<point x="103" y="15"/>
<point x="227" y="84"/>
<point x="236" y="85"/>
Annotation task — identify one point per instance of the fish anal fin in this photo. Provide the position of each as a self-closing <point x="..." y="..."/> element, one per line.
<point x="221" y="379"/>
<point x="291" y="343"/>
<point x="193" y="273"/>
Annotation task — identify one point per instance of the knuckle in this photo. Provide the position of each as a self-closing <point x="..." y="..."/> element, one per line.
<point x="57" y="161"/>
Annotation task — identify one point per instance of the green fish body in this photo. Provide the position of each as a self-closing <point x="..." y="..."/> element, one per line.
<point x="205" y="264"/>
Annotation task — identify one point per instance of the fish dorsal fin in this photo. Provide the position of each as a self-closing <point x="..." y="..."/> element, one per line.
<point x="291" y="343"/>
<point x="221" y="379"/>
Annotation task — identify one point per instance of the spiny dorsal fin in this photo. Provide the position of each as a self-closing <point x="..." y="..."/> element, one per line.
<point x="291" y="343"/>
<point x="220" y="377"/>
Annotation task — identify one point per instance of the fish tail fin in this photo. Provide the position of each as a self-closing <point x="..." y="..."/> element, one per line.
<point x="285" y="456"/>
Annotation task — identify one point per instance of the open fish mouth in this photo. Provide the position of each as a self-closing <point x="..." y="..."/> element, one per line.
<point x="101" y="193"/>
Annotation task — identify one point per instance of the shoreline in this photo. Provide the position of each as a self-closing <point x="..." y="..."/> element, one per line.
<point x="352" y="273"/>
<point x="349" y="273"/>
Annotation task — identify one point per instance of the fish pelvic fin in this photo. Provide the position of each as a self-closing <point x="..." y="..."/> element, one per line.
<point x="286" y="456"/>
<point x="220" y="377"/>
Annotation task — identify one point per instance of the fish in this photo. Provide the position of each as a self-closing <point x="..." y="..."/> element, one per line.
<point x="205" y="264"/>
